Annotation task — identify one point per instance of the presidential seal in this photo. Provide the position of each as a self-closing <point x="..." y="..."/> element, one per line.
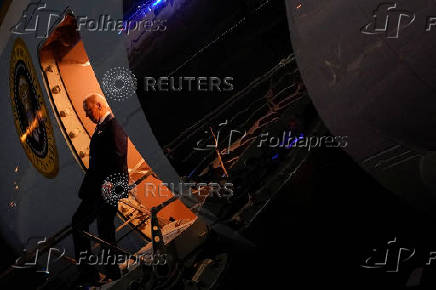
<point x="30" y="112"/>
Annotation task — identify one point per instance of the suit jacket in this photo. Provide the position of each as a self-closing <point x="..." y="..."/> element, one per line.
<point x="107" y="155"/>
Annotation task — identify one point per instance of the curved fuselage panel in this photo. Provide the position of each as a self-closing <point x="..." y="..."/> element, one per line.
<point x="369" y="69"/>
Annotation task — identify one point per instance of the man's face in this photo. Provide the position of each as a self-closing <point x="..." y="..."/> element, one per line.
<point x="92" y="111"/>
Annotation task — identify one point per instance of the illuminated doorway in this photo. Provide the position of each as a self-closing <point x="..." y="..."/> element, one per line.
<point x="69" y="78"/>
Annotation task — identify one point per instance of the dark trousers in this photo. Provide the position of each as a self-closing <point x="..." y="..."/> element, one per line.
<point x="87" y="212"/>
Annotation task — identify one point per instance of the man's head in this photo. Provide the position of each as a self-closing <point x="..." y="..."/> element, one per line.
<point x="95" y="107"/>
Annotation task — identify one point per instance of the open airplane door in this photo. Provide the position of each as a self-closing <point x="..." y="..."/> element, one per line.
<point x="70" y="76"/>
<point x="48" y="79"/>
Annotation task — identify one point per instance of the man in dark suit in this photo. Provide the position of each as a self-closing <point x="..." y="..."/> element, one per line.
<point x="107" y="156"/>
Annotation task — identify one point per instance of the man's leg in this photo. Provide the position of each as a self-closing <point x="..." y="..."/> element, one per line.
<point x="82" y="218"/>
<point x="106" y="231"/>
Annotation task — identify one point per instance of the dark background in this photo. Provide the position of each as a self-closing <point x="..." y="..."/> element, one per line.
<point x="323" y="226"/>
<point x="324" y="223"/>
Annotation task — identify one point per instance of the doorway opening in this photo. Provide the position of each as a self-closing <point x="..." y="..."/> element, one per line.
<point x="69" y="78"/>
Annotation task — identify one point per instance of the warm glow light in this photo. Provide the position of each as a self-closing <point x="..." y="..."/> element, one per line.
<point x="31" y="128"/>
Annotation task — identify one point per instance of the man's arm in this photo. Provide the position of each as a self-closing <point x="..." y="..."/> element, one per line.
<point x="112" y="159"/>
<point x="120" y="148"/>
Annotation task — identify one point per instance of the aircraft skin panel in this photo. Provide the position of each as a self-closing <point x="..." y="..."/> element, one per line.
<point x="43" y="205"/>
<point x="15" y="8"/>
<point x="355" y="86"/>
<point x="374" y="87"/>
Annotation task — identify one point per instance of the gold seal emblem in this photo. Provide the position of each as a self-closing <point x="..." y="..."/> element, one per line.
<point x="30" y="112"/>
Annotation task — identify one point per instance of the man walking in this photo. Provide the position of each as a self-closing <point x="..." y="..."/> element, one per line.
<point x="107" y="155"/>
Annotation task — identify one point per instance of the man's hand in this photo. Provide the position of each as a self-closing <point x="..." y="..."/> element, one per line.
<point x="107" y="186"/>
